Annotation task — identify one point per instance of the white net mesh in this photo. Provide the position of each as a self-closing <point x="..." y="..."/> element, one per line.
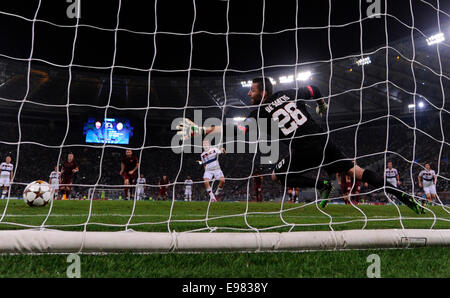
<point x="386" y="102"/>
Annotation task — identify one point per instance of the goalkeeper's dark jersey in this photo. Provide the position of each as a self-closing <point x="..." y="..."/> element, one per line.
<point x="289" y="114"/>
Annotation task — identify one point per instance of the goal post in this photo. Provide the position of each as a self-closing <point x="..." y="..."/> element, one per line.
<point x="51" y="241"/>
<point x="372" y="107"/>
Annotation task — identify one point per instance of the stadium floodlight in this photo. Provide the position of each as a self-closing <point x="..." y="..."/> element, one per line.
<point x="238" y="119"/>
<point x="363" y="61"/>
<point x="436" y="38"/>
<point x="412" y="106"/>
<point x="272" y="81"/>
<point x="304" y="76"/>
<point x="286" y="79"/>
<point x="246" y="84"/>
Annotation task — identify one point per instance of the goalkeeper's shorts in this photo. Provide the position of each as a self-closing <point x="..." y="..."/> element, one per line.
<point x="307" y="154"/>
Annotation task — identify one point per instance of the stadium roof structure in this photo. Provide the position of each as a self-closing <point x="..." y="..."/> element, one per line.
<point x="88" y="88"/>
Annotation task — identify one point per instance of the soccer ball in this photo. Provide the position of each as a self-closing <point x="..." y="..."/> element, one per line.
<point x="37" y="194"/>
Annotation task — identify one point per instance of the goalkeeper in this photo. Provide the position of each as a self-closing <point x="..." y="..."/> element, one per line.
<point x="308" y="141"/>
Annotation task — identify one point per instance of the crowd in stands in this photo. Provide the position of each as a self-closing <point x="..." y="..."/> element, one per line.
<point x="38" y="153"/>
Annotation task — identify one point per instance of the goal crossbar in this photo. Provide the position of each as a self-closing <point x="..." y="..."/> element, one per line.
<point x="54" y="241"/>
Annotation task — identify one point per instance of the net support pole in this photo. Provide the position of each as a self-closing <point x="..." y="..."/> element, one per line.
<point x="52" y="241"/>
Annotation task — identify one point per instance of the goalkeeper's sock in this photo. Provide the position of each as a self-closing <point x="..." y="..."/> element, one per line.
<point x="3" y="194"/>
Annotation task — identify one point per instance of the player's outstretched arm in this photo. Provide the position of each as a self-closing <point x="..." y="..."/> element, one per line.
<point x="187" y="129"/>
<point x="314" y="93"/>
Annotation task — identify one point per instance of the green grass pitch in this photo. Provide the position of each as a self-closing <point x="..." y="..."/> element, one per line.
<point x="224" y="217"/>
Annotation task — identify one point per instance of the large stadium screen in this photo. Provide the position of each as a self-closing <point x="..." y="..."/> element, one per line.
<point x="108" y="130"/>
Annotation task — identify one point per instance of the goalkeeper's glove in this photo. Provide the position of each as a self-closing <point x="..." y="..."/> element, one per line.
<point x="321" y="109"/>
<point x="186" y="129"/>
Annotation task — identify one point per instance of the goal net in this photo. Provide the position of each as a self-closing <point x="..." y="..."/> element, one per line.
<point x="95" y="80"/>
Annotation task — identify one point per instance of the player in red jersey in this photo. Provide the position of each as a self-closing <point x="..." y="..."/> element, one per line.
<point x="293" y="194"/>
<point x="128" y="170"/>
<point x="347" y="187"/>
<point x="68" y="169"/>
<point x="163" y="187"/>
<point x="257" y="184"/>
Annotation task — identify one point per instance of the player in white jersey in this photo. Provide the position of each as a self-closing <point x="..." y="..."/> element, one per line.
<point x="188" y="189"/>
<point x="391" y="175"/>
<point x="6" y="175"/>
<point x="427" y="180"/>
<point x="140" y="187"/>
<point x="54" y="180"/>
<point x="210" y="161"/>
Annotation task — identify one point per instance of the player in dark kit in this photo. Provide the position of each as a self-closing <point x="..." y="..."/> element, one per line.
<point x="68" y="169"/>
<point x="257" y="184"/>
<point x="348" y="186"/>
<point x="163" y="188"/>
<point x="308" y="142"/>
<point x="128" y="170"/>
